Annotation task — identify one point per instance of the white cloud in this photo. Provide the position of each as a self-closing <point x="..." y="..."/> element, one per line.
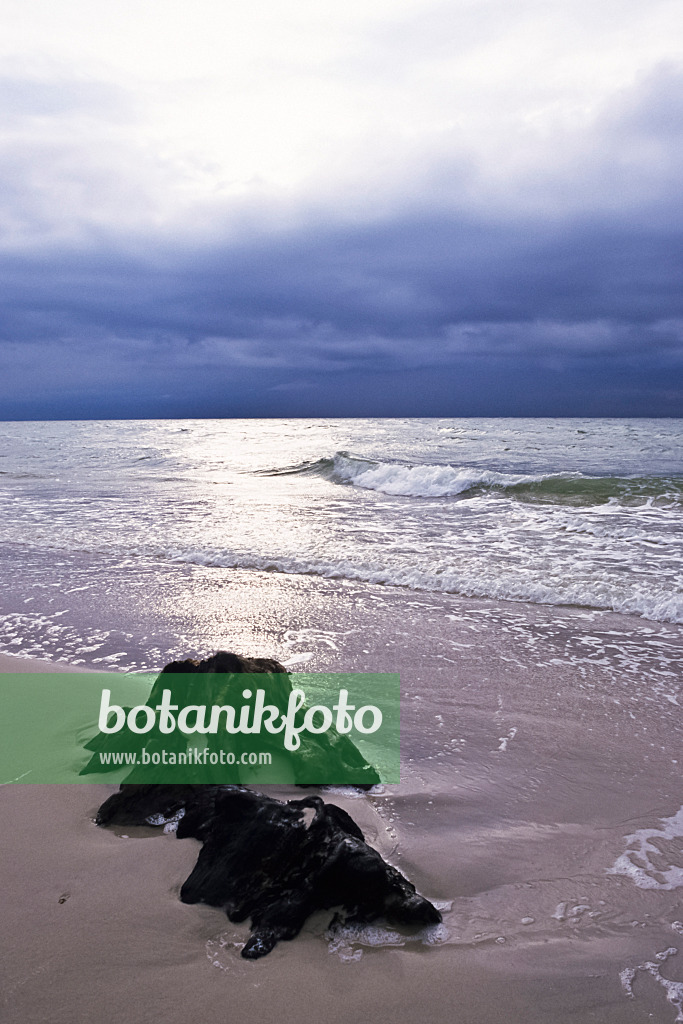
<point x="311" y="102"/>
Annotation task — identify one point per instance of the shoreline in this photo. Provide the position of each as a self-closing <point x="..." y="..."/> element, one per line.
<point x="20" y="663"/>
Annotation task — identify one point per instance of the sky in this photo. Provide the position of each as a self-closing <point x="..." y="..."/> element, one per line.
<point x="308" y="208"/>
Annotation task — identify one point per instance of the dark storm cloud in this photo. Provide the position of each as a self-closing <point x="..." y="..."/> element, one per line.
<point x="410" y="279"/>
<point x="415" y="297"/>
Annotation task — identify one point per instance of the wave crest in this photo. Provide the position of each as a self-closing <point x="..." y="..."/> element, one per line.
<point x="425" y="480"/>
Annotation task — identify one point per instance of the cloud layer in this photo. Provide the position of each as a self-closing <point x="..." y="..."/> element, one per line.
<point x="425" y="209"/>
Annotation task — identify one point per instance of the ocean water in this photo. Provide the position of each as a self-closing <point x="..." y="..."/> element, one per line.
<point x="570" y="512"/>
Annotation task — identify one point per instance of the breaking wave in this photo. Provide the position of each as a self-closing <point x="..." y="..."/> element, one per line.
<point x="425" y="480"/>
<point x="648" y="600"/>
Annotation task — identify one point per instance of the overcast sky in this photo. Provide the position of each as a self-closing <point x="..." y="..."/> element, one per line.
<point x="304" y="207"/>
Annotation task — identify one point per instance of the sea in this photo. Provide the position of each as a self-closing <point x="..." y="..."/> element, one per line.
<point x="563" y="512"/>
<point x="524" y="578"/>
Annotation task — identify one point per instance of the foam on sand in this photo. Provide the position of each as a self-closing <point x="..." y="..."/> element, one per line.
<point x="673" y="989"/>
<point x="645" y="860"/>
<point x="344" y="940"/>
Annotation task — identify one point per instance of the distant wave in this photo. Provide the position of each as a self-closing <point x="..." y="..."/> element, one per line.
<point x="447" y="480"/>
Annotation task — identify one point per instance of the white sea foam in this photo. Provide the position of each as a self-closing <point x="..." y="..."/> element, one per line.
<point x="344" y="940"/>
<point x="170" y="824"/>
<point x="504" y="740"/>
<point x="298" y="659"/>
<point x="647" y="598"/>
<point x="647" y="863"/>
<point x="673" y="989"/>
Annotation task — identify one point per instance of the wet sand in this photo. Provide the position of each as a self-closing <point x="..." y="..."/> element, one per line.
<point x="534" y="741"/>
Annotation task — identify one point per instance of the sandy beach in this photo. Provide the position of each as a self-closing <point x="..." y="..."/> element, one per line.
<point x="516" y="802"/>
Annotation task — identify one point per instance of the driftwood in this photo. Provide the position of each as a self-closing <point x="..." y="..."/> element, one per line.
<point x="274" y="862"/>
